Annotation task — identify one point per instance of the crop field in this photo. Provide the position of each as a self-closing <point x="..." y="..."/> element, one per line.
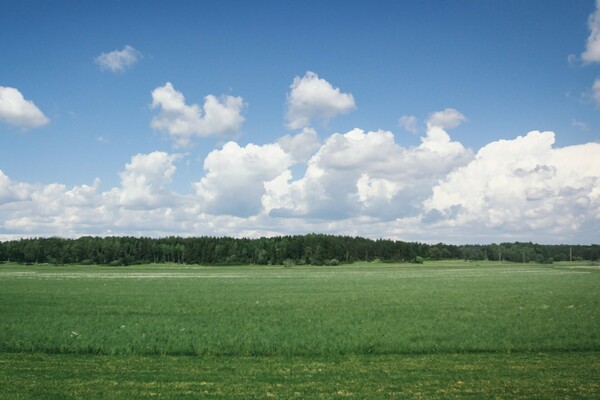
<point x="439" y="330"/>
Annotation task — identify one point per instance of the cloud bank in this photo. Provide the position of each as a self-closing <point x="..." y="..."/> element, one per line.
<point x="357" y="182"/>
<point x="353" y="183"/>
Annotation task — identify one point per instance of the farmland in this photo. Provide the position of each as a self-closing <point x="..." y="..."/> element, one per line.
<point x="367" y="330"/>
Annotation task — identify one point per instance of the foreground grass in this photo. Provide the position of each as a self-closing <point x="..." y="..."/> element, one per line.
<point x="440" y="330"/>
<point x="478" y="376"/>
<point x="247" y="311"/>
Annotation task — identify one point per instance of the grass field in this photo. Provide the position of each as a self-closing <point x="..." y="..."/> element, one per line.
<point x="439" y="330"/>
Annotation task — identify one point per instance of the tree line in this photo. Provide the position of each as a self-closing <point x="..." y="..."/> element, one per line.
<point x="315" y="249"/>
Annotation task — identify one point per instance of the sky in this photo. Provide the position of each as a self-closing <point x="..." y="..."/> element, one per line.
<point x="434" y="121"/>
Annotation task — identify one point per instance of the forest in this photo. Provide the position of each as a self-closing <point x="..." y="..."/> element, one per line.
<point x="315" y="249"/>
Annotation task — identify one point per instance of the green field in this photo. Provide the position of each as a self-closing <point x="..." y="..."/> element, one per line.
<point x="439" y="330"/>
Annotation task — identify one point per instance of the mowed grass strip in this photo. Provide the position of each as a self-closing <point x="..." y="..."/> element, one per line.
<point x="366" y="309"/>
<point x="432" y="376"/>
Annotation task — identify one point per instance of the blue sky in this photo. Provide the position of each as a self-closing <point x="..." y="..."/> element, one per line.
<point x="384" y="119"/>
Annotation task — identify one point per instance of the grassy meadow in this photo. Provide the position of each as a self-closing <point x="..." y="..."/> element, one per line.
<point x="438" y="330"/>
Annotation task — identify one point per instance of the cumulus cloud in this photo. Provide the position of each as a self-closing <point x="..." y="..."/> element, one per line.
<point x="140" y="203"/>
<point x="34" y="209"/>
<point x="235" y="177"/>
<point x="183" y="122"/>
<point x="409" y="123"/>
<point x="375" y="191"/>
<point x="312" y="97"/>
<point x="522" y="184"/>
<point x="11" y="191"/>
<point x="119" y="60"/>
<point x="592" y="48"/>
<point x="300" y="146"/>
<point x="446" y="119"/>
<point x="355" y="183"/>
<point x="366" y="173"/>
<point x="17" y="111"/>
<point x="143" y="181"/>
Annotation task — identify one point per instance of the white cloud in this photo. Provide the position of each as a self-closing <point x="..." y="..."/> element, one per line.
<point x="119" y="60"/>
<point x="522" y="185"/>
<point x="140" y="204"/>
<point x="437" y="141"/>
<point x="143" y="181"/>
<point x="375" y="191"/>
<point x="448" y="118"/>
<point x="15" y="110"/>
<point x="312" y="97"/>
<point x="360" y="173"/>
<point x="300" y="146"/>
<point x="356" y="183"/>
<point x="182" y="121"/>
<point x="409" y="123"/>
<point x="235" y="177"/>
<point x="11" y="191"/>
<point x="35" y="209"/>
<point x="592" y="48"/>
